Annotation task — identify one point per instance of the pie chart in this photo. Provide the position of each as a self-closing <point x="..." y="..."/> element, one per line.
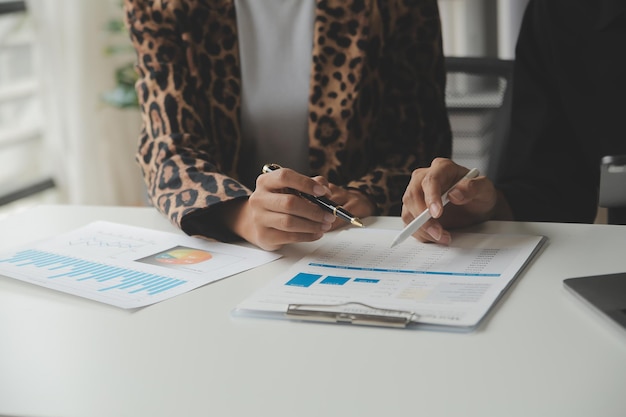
<point x="183" y="256"/>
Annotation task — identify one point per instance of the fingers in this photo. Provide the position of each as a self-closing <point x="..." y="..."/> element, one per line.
<point x="442" y="175"/>
<point x="285" y="178"/>
<point x="272" y="235"/>
<point x="427" y="185"/>
<point x="289" y="213"/>
<point x="431" y="231"/>
<point x="272" y="239"/>
<point x="354" y="201"/>
<point x="271" y="228"/>
<point x="281" y="215"/>
<point x="276" y="192"/>
<point x="425" y="192"/>
<point x="275" y="214"/>
<point x="323" y="181"/>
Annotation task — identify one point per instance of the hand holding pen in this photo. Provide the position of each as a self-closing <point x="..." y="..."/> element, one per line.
<point x="321" y="201"/>
<point x="472" y="200"/>
<point x="274" y="216"/>
<point x="426" y="215"/>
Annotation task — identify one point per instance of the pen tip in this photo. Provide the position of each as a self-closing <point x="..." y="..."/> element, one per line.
<point x="355" y="221"/>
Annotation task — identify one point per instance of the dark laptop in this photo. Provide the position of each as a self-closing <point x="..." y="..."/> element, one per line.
<point x="606" y="293"/>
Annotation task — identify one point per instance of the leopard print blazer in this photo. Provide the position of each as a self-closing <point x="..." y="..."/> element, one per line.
<point x="376" y="100"/>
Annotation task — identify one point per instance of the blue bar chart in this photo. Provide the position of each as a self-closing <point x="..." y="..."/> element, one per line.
<point x="126" y="266"/>
<point x="106" y="277"/>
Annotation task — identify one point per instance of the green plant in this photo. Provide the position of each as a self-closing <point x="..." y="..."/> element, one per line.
<point x="123" y="95"/>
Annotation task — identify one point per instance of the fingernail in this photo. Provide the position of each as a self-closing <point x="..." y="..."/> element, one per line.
<point x="434" y="210"/>
<point x="434" y="232"/>
<point x="326" y="226"/>
<point x="445" y="239"/>
<point x="456" y="194"/>
<point x="319" y="190"/>
<point x="329" y="218"/>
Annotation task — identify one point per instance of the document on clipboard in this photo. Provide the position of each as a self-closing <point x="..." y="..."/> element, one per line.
<point x="358" y="278"/>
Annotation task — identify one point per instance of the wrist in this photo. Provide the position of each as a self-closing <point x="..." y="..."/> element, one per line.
<point x="230" y="215"/>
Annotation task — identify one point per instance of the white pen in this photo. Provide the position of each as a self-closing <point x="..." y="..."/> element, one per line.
<point x="425" y="215"/>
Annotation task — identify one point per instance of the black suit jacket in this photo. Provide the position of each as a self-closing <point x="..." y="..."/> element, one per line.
<point x="568" y="108"/>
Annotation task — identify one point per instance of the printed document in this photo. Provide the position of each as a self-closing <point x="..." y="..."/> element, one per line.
<point x="127" y="266"/>
<point x="358" y="274"/>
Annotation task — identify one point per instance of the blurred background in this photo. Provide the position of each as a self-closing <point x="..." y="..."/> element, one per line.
<point x="68" y="117"/>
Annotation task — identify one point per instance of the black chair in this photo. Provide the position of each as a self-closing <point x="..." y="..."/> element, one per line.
<point x="478" y="98"/>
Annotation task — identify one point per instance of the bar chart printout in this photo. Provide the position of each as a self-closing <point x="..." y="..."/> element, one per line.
<point x="358" y="273"/>
<point x="127" y="266"/>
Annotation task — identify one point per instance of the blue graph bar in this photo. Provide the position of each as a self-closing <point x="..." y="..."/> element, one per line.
<point x="65" y="267"/>
<point x="303" y="280"/>
<point x="331" y="280"/>
<point x="367" y="280"/>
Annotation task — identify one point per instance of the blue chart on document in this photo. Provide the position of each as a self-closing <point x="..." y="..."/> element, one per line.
<point x="451" y="285"/>
<point x="127" y="266"/>
<point x="56" y="267"/>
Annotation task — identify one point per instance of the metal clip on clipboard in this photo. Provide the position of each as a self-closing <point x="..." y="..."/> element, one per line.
<point x="352" y="313"/>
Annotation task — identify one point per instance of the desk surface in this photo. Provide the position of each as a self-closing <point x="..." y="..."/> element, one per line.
<point x="541" y="352"/>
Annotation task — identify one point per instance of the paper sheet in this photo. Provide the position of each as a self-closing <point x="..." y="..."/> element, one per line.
<point x="127" y="266"/>
<point x="441" y="285"/>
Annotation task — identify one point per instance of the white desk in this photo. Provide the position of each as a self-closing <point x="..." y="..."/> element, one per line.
<point x="540" y="353"/>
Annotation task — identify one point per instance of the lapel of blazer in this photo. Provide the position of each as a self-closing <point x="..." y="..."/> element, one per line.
<point x="223" y="68"/>
<point x="342" y="31"/>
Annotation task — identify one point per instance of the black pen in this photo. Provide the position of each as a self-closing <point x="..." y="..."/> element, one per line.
<point x="323" y="202"/>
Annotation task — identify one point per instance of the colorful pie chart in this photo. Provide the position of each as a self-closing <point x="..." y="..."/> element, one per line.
<point x="183" y="256"/>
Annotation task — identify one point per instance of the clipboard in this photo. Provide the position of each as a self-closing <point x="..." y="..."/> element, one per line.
<point x="352" y="313"/>
<point x="357" y="278"/>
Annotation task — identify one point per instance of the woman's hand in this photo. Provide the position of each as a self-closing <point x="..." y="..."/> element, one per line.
<point x="471" y="201"/>
<point x="274" y="215"/>
<point x="353" y="201"/>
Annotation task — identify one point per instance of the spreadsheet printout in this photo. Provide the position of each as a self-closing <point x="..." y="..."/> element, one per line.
<point x="441" y="285"/>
